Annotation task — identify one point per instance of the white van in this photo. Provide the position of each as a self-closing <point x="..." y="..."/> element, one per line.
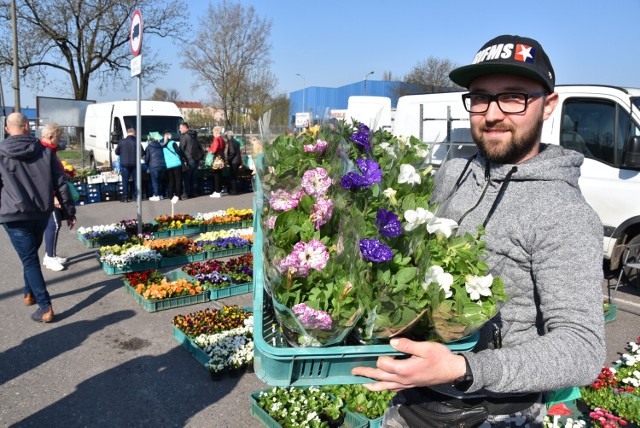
<point x="602" y="122"/>
<point x="106" y="123"/>
<point x="375" y="112"/>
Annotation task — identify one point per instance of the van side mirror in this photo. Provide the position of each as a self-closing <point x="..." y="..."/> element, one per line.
<point x="631" y="157"/>
<point x="115" y="137"/>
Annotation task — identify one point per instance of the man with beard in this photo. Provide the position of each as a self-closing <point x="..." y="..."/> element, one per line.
<point x="542" y="239"/>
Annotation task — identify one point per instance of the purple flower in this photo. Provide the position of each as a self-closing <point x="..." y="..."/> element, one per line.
<point x="312" y="318"/>
<point x="361" y="138"/>
<point x="281" y="200"/>
<point x="375" y="251"/>
<point x="371" y="173"/>
<point x="319" y="146"/>
<point x="305" y="256"/>
<point x="388" y="224"/>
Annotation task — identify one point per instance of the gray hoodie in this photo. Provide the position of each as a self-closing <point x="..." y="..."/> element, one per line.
<point x="29" y="175"/>
<point x="545" y="242"/>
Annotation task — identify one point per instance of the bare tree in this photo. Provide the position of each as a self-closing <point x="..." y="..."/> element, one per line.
<point x="226" y="55"/>
<point x="387" y="76"/>
<point x="431" y="75"/>
<point x="160" y="94"/>
<point x="88" y="40"/>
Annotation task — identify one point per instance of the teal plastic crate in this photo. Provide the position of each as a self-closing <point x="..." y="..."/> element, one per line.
<point x="232" y="290"/>
<point x="611" y="314"/>
<point x="228" y="252"/>
<point x="137" y="267"/>
<point x="278" y="364"/>
<point x="193" y="349"/>
<point x="227" y="226"/>
<point x="182" y="260"/>
<point x="191" y="230"/>
<point x="170" y="303"/>
<point x="351" y="420"/>
<point x="97" y="243"/>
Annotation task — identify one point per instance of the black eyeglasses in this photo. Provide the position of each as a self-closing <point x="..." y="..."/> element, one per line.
<point x="508" y="102"/>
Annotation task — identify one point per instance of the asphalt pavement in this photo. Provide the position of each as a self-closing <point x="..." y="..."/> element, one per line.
<point x="106" y="362"/>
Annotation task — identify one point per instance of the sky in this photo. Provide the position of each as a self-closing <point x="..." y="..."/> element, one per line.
<point x="333" y="43"/>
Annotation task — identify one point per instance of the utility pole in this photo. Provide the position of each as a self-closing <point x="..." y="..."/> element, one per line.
<point x="16" y="81"/>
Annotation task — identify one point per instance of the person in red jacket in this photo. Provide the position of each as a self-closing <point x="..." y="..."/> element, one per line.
<point x="217" y="148"/>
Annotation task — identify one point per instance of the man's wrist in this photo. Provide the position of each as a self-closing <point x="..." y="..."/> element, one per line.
<point x="464" y="382"/>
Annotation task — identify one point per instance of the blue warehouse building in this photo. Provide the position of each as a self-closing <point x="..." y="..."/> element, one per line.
<point x="319" y="101"/>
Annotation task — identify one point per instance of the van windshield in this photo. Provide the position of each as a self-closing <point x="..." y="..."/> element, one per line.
<point x="155" y="124"/>
<point x="636" y="102"/>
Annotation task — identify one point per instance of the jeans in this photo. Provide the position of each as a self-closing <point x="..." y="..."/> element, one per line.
<point x="191" y="179"/>
<point x="26" y="238"/>
<point x="126" y="172"/>
<point x="156" y="180"/>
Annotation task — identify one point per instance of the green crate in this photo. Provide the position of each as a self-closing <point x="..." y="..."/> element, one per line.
<point x="182" y="260"/>
<point x="218" y="254"/>
<point x="170" y="303"/>
<point x="351" y="420"/>
<point x="611" y="314"/>
<point x="278" y="364"/>
<point x="232" y="290"/>
<point x="137" y="267"/>
<point x="97" y="243"/>
<point x="191" y="230"/>
<point x="188" y="344"/>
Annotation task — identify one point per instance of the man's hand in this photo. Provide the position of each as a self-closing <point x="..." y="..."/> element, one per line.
<point x="71" y="223"/>
<point x="430" y="363"/>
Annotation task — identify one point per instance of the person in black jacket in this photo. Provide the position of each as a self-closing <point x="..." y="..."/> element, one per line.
<point x="190" y="148"/>
<point x="30" y="175"/>
<point x="129" y="160"/>
<point x="154" y="158"/>
<point x="234" y="160"/>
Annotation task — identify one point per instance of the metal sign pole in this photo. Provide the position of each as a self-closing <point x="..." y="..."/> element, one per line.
<point x="139" y="157"/>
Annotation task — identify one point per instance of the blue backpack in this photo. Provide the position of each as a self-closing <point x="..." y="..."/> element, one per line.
<point x="171" y="157"/>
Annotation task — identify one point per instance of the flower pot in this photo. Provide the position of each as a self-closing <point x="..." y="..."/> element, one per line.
<point x="216" y="376"/>
<point x="236" y="372"/>
<point x="333" y="423"/>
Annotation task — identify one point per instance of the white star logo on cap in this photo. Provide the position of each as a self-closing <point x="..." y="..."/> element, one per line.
<point x="525" y="52"/>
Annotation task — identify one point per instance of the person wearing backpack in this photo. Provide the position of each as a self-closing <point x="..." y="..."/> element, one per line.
<point x="192" y="151"/>
<point x="217" y="148"/>
<point x="173" y="158"/>
<point x="233" y="157"/>
<point x="154" y="158"/>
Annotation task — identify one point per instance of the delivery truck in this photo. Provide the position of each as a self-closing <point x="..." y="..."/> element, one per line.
<point x="106" y="123"/>
<point x="602" y="122"/>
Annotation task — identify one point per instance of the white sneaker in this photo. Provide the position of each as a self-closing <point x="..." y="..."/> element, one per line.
<point x="61" y="260"/>
<point x="52" y="264"/>
<point x="215" y="195"/>
<point x="154" y="198"/>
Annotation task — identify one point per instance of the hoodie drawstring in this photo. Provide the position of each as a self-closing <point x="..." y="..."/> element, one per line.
<point x="487" y="175"/>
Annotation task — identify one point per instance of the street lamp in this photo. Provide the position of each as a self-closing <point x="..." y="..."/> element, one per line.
<point x="365" y="82"/>
<point x="304" y="107"/>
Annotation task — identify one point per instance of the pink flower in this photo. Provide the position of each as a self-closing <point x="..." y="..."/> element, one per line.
<point x="305" y="256"/>
<point x="322" y="211"/>
<point x="281" y="200"/>
<point x="271" y="222"/>
<point x="319" y="147"/>
<point x="312" y="318"/>
<point x="316" y="182"/>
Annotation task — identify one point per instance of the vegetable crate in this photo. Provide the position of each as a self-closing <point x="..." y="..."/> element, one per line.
<point x="351" y="420"/>
<point x="278" y="364"/>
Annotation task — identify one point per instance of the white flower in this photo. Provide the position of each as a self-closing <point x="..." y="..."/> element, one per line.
<point x="391" y="194"/>
<point x="408" y="175"/>
<point x="478" y="286"/>
<point x="416" y="218"/>
<point x="422" y="152"/>
<point x="441" y="226"/>
<point x="439" y="276"/>
<point x="388" y="148"/>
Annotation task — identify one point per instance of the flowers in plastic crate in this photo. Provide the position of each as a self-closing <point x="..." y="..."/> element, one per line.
<point x="127" y="254"/>
<point x="225" y="239"/>
<point x="218" y="273"/>
<point x="230" y="215"/>
<point x="146" y="277"/>
<point x="166" y="289"/>
<point x="349" y="230"/>
<point x="173" y="247"/>
<point x="210" y="321"/>
<point x="360" y="400"/>
<point x="105" y="231"/>
<point x="229" y="349"/>
<point x="616" y="392"/>
<point x="302" y="407"/>
<point x="177" y="221"/>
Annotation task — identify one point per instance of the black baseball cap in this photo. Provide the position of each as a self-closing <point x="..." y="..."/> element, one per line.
<point x="508" y="54"/>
